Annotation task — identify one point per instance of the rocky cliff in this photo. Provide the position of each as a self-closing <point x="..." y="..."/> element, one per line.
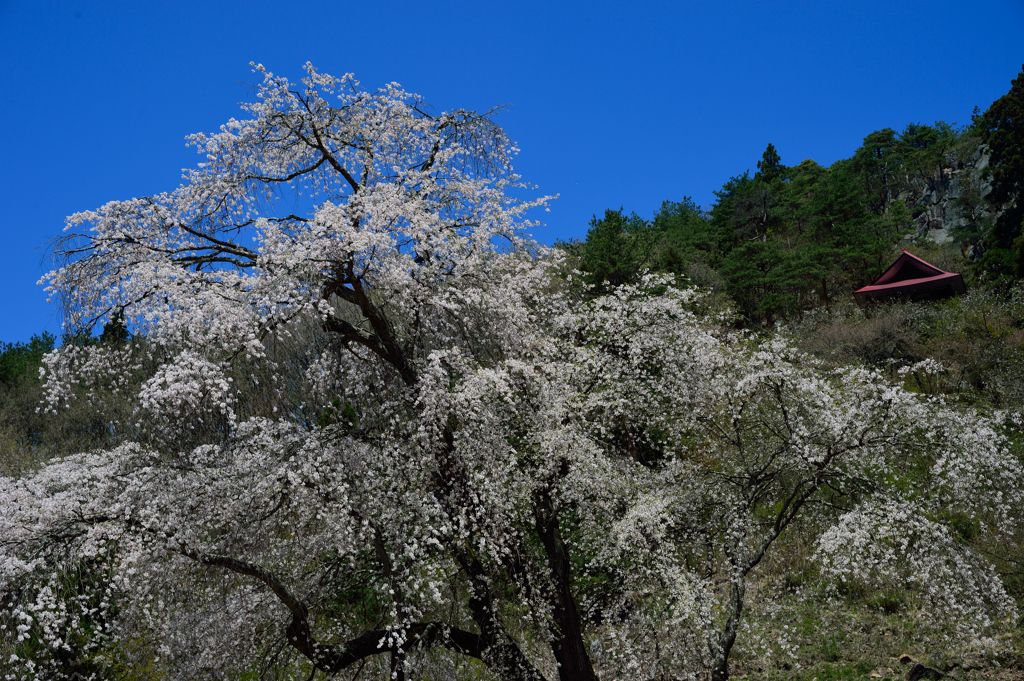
<point x="952" y="200"/>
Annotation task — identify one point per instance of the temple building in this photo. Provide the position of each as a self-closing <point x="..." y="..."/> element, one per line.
<point x="910" y="278"/>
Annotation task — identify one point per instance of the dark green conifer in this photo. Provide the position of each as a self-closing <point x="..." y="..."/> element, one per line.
<point x="1003" y="126"/>
<point x="770" y="166"/>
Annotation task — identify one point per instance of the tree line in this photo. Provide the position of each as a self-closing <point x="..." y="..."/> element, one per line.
<point x="792" y="238"/>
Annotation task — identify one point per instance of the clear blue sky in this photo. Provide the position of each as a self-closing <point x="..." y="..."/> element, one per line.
<point x="613" y="104"/>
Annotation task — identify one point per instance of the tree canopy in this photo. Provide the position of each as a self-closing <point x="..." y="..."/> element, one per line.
<point x="1003" y="125"/>
<point x="17" y="359"/>
<point x="825" y="232"/>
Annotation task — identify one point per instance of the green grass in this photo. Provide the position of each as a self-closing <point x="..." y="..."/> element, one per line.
<point x="863" y="636"/>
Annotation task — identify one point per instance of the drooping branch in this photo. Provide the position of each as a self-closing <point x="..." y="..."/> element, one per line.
<point x="318" y="144"/>
<point x="333" y="658"/>
<point x="421" y="635"/>
<point x="223" y="246"/>
<point x="290" y="176"/>
<point x="290" y="600"/>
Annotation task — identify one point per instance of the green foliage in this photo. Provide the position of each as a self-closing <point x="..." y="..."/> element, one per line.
<point x="115" y="332"/>
<point x="767" y="280"/>
<point x="876" y="163"/>
<point x="1003" y="127"/>
<point x="745" y="207"/>
<point x="684" y="237"/>
<point x="18" y="360"/>
<point x="803" y="237"/>
<point x="339" y="412"/>
<point x="790" y="239"/>
<point x="918" y="136"/>
<point x="21" y="426"/>
<point x="617" y="248"/>
<point x="770" y="166"/>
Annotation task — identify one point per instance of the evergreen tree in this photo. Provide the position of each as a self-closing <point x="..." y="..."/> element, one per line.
<point x="876" y="161"/>
<point x="1003" y="126"/>
<point x="616" y="250"/>
<point x="745" y="207"/>
<point x="115" y="332"/>
<point x="770" y="166"/>
<point x="769" y="281"/>
<point x="793" y="206"/>
<point x="22" y="359"/>
<point x="919" y="136"/>
<point x="685" y="236"/>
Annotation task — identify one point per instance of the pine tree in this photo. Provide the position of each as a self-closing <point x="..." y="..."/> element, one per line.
<point x="1003" y="125"/>
<point x="770" y="166"/>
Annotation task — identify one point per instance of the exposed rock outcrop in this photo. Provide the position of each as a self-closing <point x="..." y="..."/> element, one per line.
<point x="953" y="198"/>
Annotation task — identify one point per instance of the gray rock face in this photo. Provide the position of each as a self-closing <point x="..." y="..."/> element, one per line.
<point x="953" y="199"/>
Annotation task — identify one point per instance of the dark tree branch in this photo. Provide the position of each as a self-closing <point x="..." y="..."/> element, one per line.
<point x="351" y="333"/>
<point x="290" y="176"/>
<point x="333" y="658"/>
<point x="290" y="600"/>
<point x="227" y="246"/>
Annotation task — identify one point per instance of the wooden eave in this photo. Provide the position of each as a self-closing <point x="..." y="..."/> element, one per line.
<point x="932" y="282"/>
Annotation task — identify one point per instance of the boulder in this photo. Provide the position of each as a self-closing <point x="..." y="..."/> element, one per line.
<point x="919" y="671"/>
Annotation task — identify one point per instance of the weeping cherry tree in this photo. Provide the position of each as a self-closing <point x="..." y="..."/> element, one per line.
<point x="476" y="471"/>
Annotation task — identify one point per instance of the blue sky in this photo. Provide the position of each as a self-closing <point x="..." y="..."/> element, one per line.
<point x="612" y="104"/>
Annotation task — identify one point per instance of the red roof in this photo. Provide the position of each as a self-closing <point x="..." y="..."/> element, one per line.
<point x="911" y="277"/>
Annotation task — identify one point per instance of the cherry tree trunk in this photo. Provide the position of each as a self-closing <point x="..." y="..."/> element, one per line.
<point x="567" y="633"/>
